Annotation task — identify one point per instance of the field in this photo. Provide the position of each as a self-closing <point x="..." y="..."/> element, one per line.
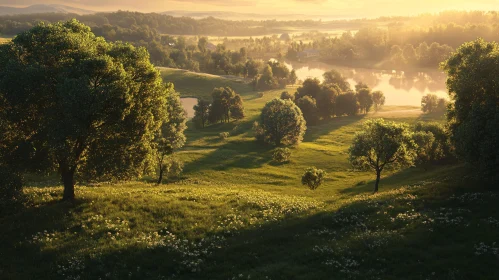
<point x="4" y="40"/>
<point x="236" y="214"/>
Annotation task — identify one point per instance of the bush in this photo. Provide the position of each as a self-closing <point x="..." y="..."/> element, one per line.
<point x="175" y="167"/>
<point x="260" y="94"/>
<point x="313" y="178"/>
<point x="224" y="135"/>
<point x="281" y="155"/>
<point x="258" y="131"/>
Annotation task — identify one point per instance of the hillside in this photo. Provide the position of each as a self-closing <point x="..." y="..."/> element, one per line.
<point x="236" y="214"/>
<point x="43" y="8"/>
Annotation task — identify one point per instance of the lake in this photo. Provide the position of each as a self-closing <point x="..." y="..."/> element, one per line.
<point x="399" y="87"/>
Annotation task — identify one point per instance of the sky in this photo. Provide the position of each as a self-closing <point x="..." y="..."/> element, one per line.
<point x="350" y="8"/>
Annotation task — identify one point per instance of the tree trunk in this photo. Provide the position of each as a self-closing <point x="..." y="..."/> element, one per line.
<point x="160" y="179"/>
<point x="378" y="177"/>
<point x="67" y="176"/>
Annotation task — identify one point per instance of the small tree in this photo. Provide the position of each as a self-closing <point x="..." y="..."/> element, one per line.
<point x="346" y="104"/>
<point x="365" y="98"/>
<point x="381" y="144"/>
<point x="309" y="110"/>
<point x="281" y="155"/>
<point x="285" y="95"/>
<point x="378" y="99"/>
<point x="334" y="77"/>
<point x="326" y="101"/>
<point x="313" y="177"/>
<point x="282" y="123"/>
<point x="171" y="135"/>
<point x="425" y="152"/>
<point x="292" y="77"/>
<point x="429" y="103"/>
<point x="237" y="107"/>
<point x="201" y="112"/>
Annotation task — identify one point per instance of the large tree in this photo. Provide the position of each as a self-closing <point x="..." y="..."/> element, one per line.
<point x="382" y="144"/>
<point x="364" y="97"/>
<point x="88" y="106"/>
<point x="308" y="107"/>
<point x="282" y="123"/>
<point x="473" y="86"/>
<point x="171" y="135"/>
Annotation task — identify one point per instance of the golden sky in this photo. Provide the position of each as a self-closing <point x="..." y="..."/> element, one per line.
<point x="350" y="8"/>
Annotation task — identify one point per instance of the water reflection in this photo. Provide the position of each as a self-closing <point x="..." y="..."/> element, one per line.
<point x="400" y="87"/>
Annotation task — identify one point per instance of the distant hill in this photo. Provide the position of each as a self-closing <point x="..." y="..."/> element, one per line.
<point x="239" y="16"/>
<point x="43" y="8"/>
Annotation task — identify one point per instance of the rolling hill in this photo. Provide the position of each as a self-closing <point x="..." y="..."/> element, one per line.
<point x="43" y="8"/>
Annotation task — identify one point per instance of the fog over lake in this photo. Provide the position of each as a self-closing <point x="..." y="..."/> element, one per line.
<point x="399" y="87"/>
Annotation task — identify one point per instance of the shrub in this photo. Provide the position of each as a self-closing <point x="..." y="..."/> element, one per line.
<point x="286" y="95"/>
<point x="175" y="167"/>
<point x="224" y="135"/>
<point x="258" y="131"/>
<point x="260" y="94"/>
<point x="313" y="177"/>
<point x="281" y="155"/>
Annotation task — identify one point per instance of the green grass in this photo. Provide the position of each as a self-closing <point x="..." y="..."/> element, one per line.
<point x="236" y="214"/>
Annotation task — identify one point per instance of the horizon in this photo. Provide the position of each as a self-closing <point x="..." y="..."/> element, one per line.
<point x="335" y="8"/>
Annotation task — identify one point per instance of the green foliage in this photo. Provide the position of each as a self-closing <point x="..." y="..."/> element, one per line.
<point x="226" y="104"/>
<point x="282" y="122"/>
<point x="237" y="107"/>
<point x="430" y="103"/>
<point x="171" y="136"/>
<point x="347" y="104"/>
<point x="442" y="146"/>
<point x="310" y="87"/>
<point x="364" y="97"/>
<point x="378" y="99"/>
<point x="327" y="101"/>
<point x="201" y="113"/>
<point x="285" y="95"/>
<point x="281" y="155"/>
<point x="425" y="151"/>
<point x="313" y="177"/>
<point x="91" y="99"/>
<point x="308" y="108"/>
<point x="382" y="144"/>
<point x="334" y="77"/>
<point x="474" y="116"/>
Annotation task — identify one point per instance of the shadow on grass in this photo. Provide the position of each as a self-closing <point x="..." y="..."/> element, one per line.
<point x="246" y="154"/>
<point x="409" y="176"/>
<point x="327" y="126"/>
<point x="360" y="239"/>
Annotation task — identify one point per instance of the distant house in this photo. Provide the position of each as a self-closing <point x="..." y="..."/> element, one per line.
<point x="285" y="37"/>
<point x="308" y="53"/>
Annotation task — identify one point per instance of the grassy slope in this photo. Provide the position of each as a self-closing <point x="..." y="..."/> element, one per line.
<point x="237" y="215"/>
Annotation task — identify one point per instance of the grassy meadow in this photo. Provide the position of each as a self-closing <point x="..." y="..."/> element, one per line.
<point x="236" y="214"/>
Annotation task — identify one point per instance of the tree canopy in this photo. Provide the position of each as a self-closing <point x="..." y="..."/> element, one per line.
<point x="473" y="86"/>
<point x="282" y="122"/>
<point x="84" y="105"/>
<point x="382" y="144"/>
